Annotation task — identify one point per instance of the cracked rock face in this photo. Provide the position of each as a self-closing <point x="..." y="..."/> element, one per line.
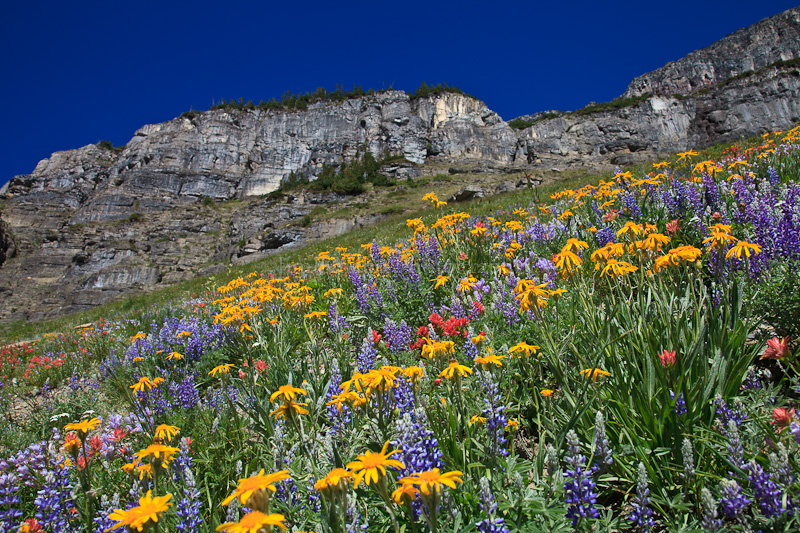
<point x="7" y="246"/>
<point x="186" y="196"/>
<point x="748" y="49"/>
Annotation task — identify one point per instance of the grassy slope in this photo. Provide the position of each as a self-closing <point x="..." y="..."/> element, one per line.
<point x="388" y="229"/>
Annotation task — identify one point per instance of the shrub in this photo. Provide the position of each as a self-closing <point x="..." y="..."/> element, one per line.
<point x="424" y="91"/>
<point x="520" y="124"/>
<point x="617" y="103"/>
<point x="353" y="177"/>
<point x="108" y="145"/>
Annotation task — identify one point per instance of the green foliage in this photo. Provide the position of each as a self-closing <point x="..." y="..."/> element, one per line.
<point x="208" y="201"/>
<point x="297" y="102"/>
<point x="425" y="91"/>
<point x="277" y="334"/>
<point x="391" y="210"/>
<point x="108" y="145"/>
<point x="617" y="103"/>
<point x="135" y="217"/>
<point x="352" y="178"/>
<point x="777" y="299"/>
<point x="414" y="183"/>
<point x="521" y="124"/>
<point x="294" y="180"/>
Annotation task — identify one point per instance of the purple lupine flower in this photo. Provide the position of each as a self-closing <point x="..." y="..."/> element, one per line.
<point x="733" y="502"/>
<point x="374" y="294"/>
<point x="605" y="235"/>
<point x="31" y="463"/>
<point x="687" y="453"/>
<point x="102" y="521"/>
<point x="726" y="413"/>
<point x="794" y="429"/>
<point x="632" y="206"/>
<point x="75" y="380"/>
<point x="185" y="393"/>
<point x="493" y="413"/>
<point x="404" y="398"/>
<point x="398" y="337"/>
<point x="456" y="308"/>
<point x="156" y="401"/>
<point x="367" y="355"/>
<point x="680" y="403"/>
<point x="779" y="467"/>
<point x="773" y="177"/>
<point x="419" y="449"/>
<point x="337" y="322"/>
<point x="428" y="250"/>
<point x="755" y="379"/>
<point x="492" y="523"/>
<point x="692" y="197"/>
<point x="580" y="488"/>
<point x="642" y="514"/>
<point x="375" y="251"/>
<point x="361" y="292"/>
<point x="602" y="451"/>
<point x="470" y="350"/>
<point x="313" y="498"/>
<point x="9" y="502"/>
<point x="766" y="491"/>
<point x="53" y="501"/>
<point x="339" y="415"/>
<point x="47" y="399"/>
<point x="188" y="508"/>
<point x="353" y="516"/>
<point x="222" y="397"/>
<point x="670" y="202"/>
<point x="288" y="494"/>
<point x="710" y="521"/>
<point x="547" y="271"/>
<point x="712" y="197"/>
<point x="734" y="444"/>
<point x="505" y="304"/>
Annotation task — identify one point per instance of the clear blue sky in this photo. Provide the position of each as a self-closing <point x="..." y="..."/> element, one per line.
<point x="75" y="73"/>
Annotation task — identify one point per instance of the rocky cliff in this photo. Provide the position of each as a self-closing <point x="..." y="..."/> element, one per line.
<point x="184" y="197"/>
<point x="739" y="107"/>
<point x="773" y="39"/>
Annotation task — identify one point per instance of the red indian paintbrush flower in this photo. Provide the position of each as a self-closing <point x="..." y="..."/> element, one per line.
<point x="777" y="348"/>
<point x="672" y="227"/>
<point x="782" y="416"/>
<point x="667" y="358"/>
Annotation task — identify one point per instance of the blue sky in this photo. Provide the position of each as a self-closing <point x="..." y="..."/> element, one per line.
<point x="75" y="73"/>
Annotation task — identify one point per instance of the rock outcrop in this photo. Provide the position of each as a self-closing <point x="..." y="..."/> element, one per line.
<point x="185" y="196"/>
<point x="773" y="39"/>
<point x="8" y="247"/>
<point x="737" y="108"/>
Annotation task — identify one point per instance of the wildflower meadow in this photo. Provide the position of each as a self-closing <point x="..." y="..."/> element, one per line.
<point x="615" y="357"/>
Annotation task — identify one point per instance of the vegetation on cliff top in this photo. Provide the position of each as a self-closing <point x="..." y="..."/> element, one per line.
<point x="290" y="101"/>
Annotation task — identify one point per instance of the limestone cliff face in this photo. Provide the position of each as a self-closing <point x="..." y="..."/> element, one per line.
<point x="91" y="224"/>
<point x="748" y="49"/>
<point x="743" y="107"/>
<point x="226" y="154"/>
